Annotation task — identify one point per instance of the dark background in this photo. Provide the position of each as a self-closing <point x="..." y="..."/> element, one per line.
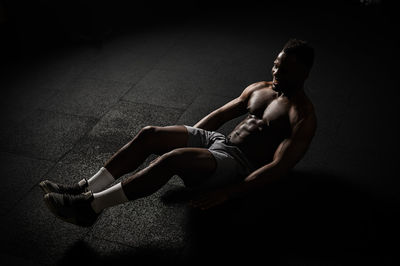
<point x="80" y="78"/>
<point x="44" y="24"/>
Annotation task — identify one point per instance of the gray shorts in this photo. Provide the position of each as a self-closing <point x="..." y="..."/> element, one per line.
<point x="232" y="164"/>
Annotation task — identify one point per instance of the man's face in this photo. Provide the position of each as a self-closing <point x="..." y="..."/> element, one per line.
<point x="287" y="72"/>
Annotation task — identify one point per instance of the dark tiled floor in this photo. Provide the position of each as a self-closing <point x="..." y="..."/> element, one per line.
<point x="65" y="111"/>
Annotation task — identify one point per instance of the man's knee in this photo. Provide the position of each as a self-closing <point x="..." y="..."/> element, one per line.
<point x="163" y="139"/>
<point x="147" y="131"/>
<point x="151" y="131"/>
<point x="149" y="134"/>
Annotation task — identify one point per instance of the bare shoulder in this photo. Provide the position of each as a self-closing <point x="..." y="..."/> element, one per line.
<point x="254" y="87"/>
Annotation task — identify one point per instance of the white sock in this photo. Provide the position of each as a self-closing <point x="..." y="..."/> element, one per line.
<point x="100" y="180"/>
<point x="109" y="197"/>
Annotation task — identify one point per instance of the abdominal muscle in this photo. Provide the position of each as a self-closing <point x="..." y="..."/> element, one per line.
<point x="257" y="138"/>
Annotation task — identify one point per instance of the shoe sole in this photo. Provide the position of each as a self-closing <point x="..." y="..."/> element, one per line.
<point x="53" y="209"/>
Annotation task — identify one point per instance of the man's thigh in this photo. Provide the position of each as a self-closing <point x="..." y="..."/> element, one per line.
<point x="193" y="165"/>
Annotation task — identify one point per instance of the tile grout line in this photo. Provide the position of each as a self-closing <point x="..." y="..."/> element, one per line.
<point x="96" y="121"/>
<point x="199" y="96"/>
<point x="26" y="156"/>
<point x="54" y="162"/>
<point x="153" y="67"/>
<point x="151" y="104"/>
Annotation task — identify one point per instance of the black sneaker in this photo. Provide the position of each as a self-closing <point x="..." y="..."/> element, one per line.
<point x="75" y="209"/>
<point x="48" y="186"/>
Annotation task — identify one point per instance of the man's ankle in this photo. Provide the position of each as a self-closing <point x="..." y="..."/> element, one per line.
<point x="109" y="197"/>
<point x="100" y="180"/>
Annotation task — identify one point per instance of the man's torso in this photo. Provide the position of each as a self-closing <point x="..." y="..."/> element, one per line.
<point x="270" y="120"/>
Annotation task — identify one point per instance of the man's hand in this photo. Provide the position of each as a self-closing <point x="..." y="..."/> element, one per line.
<point x="211" y="199"/>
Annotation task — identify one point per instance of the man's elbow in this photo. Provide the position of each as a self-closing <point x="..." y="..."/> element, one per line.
<point x="268" y="174"/>
<point x="278" y="169"/>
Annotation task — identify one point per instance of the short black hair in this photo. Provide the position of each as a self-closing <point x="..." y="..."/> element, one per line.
<point x="302" y="50"/>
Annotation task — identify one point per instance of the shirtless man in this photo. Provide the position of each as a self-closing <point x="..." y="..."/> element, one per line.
<point x="265" y="146"/>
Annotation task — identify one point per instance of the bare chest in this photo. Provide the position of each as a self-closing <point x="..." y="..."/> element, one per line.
<point x="269" y="108"/>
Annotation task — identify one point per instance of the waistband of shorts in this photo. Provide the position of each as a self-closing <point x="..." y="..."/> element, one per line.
<point x="242" y="156"/>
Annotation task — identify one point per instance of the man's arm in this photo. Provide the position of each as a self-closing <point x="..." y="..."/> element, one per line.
<point x="286" y="156"/>
<point x="229" y="111"/>
<point x="217" y="118"/>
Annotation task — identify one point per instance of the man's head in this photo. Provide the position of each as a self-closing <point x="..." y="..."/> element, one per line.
<point x="292" y="65"/>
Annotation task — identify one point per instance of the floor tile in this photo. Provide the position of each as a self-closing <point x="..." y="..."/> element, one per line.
<point x="126" y="119"/>
<point x="165" y="88"/>
<point x="119" y="66"/>
<point x="20" y="175"/>
<point x="47" y="135"/>
<point x="87" y="97"/>
<point x="32" y="232"/>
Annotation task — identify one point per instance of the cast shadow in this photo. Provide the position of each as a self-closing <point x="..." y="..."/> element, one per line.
<point x="82" y="253"/>
<point x="308" y="216"/>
